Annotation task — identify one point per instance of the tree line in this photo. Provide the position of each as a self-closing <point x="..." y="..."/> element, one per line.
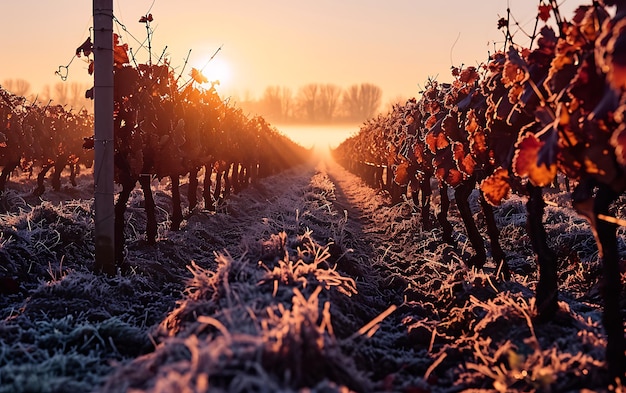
<point x="314" y="103"/>
<point x="71" y="95"/>
<point x="317" y="103"/>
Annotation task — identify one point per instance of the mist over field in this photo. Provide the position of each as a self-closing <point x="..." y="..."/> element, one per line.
<point x="319" y="136"/>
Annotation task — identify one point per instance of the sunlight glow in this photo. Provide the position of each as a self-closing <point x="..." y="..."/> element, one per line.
<point x="216" y="69"/>
<point x="318" y="136"/>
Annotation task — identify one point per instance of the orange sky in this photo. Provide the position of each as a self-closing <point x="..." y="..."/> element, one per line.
<point x="395" y="44"/>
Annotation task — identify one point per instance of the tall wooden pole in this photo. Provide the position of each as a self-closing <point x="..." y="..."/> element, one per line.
<point x="103" y="119"/>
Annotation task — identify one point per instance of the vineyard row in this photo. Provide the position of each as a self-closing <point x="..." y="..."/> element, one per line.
<point x="512" y="125"/>
<point x="161" y="129"/>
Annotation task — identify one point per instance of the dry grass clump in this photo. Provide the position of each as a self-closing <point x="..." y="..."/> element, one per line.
<point x="62" y="326"/>
<point x="38" y="241"/>
<point x="252" y="326"/>
<point x="513" y="353"/>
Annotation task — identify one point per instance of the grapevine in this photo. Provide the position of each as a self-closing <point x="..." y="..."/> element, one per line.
<point x="517" y="124"/>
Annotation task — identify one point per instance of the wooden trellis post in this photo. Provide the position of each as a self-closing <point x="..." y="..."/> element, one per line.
<point x="103" y="131"/>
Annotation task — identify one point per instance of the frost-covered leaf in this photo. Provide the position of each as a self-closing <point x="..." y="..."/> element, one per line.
<point x="401" y="174"/>
<point x="496" y="187"/>
<point x="526" y="162"/>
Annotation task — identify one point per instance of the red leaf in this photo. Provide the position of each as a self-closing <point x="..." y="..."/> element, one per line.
<point x="471" y="122"/>
<point x="450" y="126"/>
<point x="446" y="169"/>
<point x="525" y="162"/>
<point x="496" y="187"/>
<point x="401" y="174"/>
<point x="419" y="153"/>
<point x="436" y="141"/>
<point x="617" y="57"/>
<point x="146" y="19"/>
<point x="88" y="143"/>
<point x="599" y="162"/>
<point x="469" y="75"/>
<point x="544" y="12"/>
<point x="86" y="48"/>
<point x="430" y="121"/>
<point x="478" y="143"/>
<point x="502" y="23"/>
<point x="515" y="68"/>
<point x="454" y="177"/>
<point x="120" y="55"/>
<point x="464" y="161"/>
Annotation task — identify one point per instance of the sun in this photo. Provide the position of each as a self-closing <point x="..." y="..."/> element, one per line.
<point x="216" y="70"/>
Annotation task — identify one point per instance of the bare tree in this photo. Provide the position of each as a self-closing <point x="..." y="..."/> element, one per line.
<point x="44" y="96"/>
<point x="61" y="93"/>
<point x="351" y="104"/>
<point x="361" y="102"/>
<point x="77" y="93"/>
<point x="371" y="96"/>
<point x="270" y="102"/>
<point x="276" y="103"/>
<point x="287" y="105"/>
<point x="328" y="101"/>
<point x="308" y="100"/>
<point x="317" y="103"/>
<point x="19" y="87"/>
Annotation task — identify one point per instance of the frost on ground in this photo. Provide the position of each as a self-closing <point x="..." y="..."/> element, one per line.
<point x="306" y="281"/>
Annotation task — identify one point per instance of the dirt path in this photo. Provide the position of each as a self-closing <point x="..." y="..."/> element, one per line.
<point x="59" y="294"/>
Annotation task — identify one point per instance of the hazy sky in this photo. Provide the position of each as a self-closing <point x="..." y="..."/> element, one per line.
<point x="395" y="44"/>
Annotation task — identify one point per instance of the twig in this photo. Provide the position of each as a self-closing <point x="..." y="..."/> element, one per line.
<point x="550" y="203"/>
<point x="603" y="217"/>
<point x="184" y="65"/>
<point x="434" y="365"/>
<point x="612" y="220"/>
<point x="372" y="324"/>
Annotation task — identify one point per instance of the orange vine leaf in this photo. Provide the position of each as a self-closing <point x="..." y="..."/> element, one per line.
<point x="198" y="77"/>
<point x="525" y="162"/>
<point x="464" y="161"/>
<point x="401" y="174"/>
<point x="120" y="52"/>
<point x="496" y="187"/>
